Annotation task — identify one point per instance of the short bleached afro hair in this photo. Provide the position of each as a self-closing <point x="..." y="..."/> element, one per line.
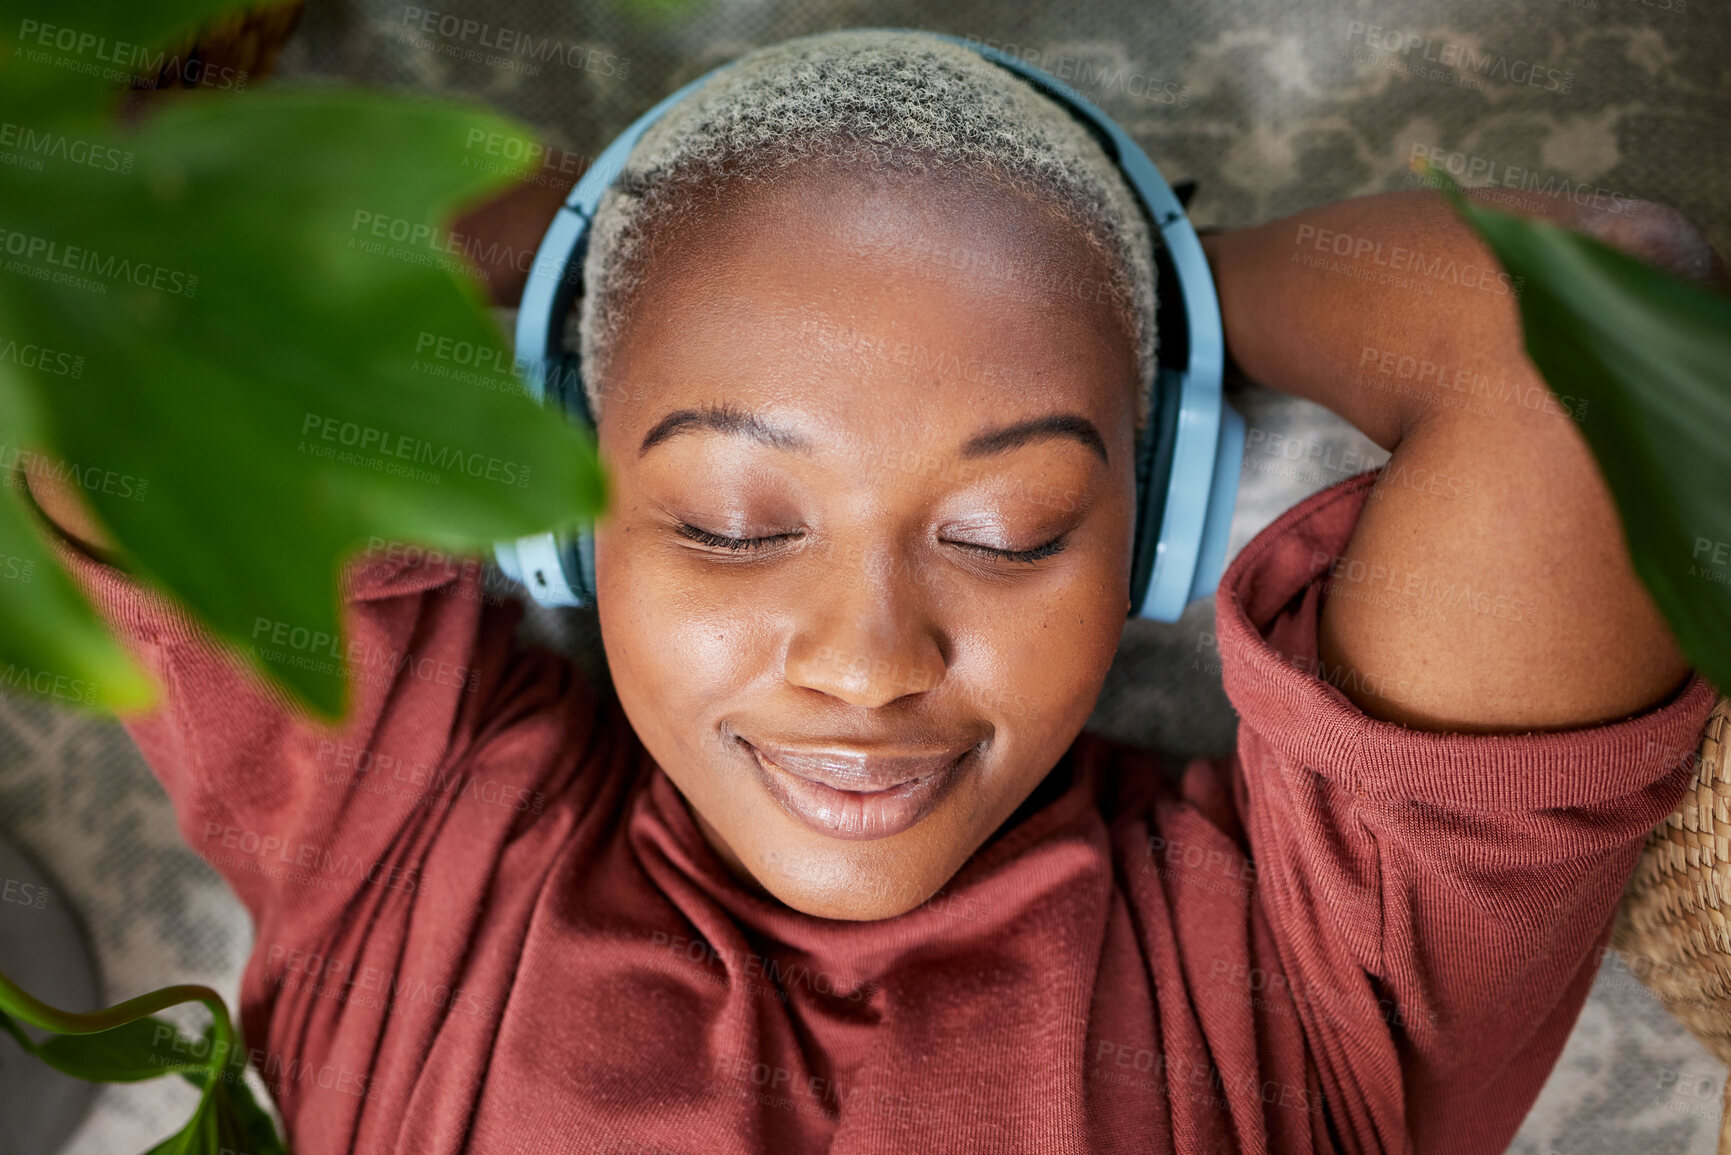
<point x="898" y="98"/>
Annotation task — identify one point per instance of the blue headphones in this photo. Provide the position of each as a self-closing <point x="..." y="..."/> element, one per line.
<point x="1187" y="461"/>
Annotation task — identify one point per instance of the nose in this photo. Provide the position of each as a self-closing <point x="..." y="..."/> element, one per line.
<point x="866" y="636"/>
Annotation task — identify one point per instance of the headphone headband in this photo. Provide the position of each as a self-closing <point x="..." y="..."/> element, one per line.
<point x="1187" y="459"/>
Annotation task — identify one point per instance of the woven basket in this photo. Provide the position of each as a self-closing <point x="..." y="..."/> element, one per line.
<point x="1673" y="926"/>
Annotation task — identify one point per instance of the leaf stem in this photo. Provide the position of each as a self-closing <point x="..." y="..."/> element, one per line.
<point x="15" y="1001"/>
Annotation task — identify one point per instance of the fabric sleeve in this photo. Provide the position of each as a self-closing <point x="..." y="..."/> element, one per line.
<point x="1438" y="901"/>
<point x="301" y="817"/>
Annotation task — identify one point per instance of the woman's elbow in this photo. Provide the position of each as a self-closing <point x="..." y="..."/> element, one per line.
<point x="1662" y="237"/>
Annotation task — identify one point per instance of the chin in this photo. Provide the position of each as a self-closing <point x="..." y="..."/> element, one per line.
<point x="842" y="886"/>
<point x="848" y="907"/>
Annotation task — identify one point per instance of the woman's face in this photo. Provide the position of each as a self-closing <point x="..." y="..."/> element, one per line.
<point x="836" y="400"/>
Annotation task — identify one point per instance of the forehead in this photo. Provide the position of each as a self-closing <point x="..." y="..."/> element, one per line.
<point x="875" y="303"/>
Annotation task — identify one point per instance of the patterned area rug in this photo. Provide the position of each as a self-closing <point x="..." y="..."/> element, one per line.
<point x="1269" y="107"/>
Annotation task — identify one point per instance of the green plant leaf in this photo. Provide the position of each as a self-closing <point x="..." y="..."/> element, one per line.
<point x="242" y="1124"/>
<point x="199" y="1136"/>
<point x="664" y="13"/>
<point x="126" y="1043"/>
<point x="51" y="642"/>
<point x="228" y="1106"/>
<point x="284" y="358"/>
<point x="59" y="63"/>
<point x="117" y="1044"/>
<point x="129" y="1053"/>
<point x="1651" y="353"/>
<point x="128" y="24"/>
<point x="249" y="1126"/>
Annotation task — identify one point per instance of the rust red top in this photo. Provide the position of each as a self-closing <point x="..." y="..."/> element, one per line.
<point x="486" y="922"/>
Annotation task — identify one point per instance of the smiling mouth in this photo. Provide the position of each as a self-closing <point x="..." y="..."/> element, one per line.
<point x="850" y="797"/>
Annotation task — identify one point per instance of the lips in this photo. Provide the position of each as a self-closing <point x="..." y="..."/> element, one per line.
<point x="854" y="793"/>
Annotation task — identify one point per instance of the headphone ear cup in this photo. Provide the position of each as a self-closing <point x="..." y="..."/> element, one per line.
<point x="566" y="390"/>
<point x="557" y="569"/>
<point x="573" y="398"/>
<point x="581" y="567"/>
<point x="1141" y="567"/>
<point x="1153" y="477"/>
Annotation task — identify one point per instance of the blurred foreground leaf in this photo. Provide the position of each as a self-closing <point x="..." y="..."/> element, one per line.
<point x="51" y="643"/>
<point x="62" y="60"/>
<point x="281" y="355"/>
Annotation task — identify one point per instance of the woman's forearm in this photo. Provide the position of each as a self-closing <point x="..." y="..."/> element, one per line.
<point x="1388" y="308"/>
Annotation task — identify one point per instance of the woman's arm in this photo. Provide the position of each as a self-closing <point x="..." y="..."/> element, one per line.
<point x="1487" y="576"/>
<point x="299" y="817"/>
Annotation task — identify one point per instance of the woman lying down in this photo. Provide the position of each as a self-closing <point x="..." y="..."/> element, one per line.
<point x="831" y="866"/>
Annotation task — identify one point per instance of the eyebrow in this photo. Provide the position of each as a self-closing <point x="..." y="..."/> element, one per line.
<point x="1002" y="438"/>
<point x="735" y="422"/>
<point x="723" y="419"/>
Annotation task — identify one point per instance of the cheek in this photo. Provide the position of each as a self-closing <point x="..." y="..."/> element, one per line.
<point x="1050" y="658"/>
<point x="1039" y="675"/>
<point x="1046" y="688"/>
<point x="675" y="658"/>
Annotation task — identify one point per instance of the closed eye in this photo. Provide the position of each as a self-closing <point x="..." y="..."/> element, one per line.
<point x="736" y="544"/>
<point x="748" y="544"/>
<point x="1056" y="545"/>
